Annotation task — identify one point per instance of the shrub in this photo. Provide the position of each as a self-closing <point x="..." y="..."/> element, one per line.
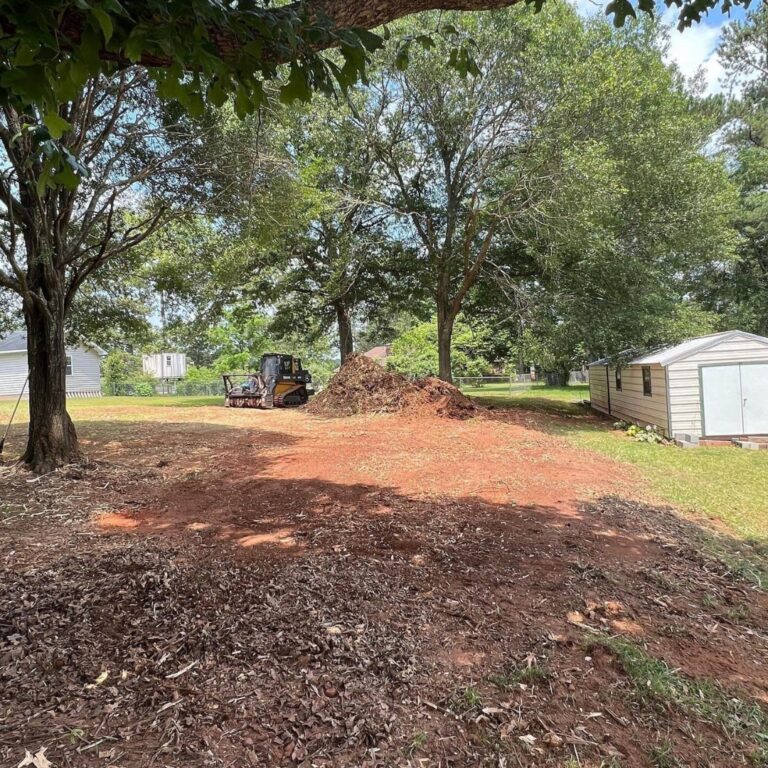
<point x="648" y="434"/>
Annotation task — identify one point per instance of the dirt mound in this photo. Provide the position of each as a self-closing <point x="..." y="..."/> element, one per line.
<point x="363" y="386"/>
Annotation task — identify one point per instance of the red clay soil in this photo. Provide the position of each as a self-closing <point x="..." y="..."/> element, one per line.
<point x="371" y="591"/>
<point x="363" y="386"/>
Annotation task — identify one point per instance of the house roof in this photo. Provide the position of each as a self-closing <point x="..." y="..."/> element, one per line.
<point x="17" y="342"/>
<point x="671" y="354"/>
<point x="14" y="342"/>
<point x="379" y="353"/>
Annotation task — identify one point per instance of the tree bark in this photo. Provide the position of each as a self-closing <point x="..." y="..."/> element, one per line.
<point x="52" y="440"/>
<point x="346" y="341"/>
<point x="445" y="319"/>
<point x="342" y="13"/>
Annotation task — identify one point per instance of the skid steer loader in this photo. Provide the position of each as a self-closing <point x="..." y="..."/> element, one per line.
<point x="281" y="382"/>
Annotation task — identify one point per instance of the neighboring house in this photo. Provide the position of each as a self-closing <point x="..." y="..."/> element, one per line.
<point x="165" y="365"/>
<point x="710" y="386"/>
<point x="379" y="354"/>
<point x="83" y="367"/>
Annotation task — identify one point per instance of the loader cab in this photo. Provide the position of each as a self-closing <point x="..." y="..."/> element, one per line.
<point x="283" y="368"/>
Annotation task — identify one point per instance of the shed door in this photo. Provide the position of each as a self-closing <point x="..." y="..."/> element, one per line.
<point x="754" y="393"/>
<point x="721" y="399"/>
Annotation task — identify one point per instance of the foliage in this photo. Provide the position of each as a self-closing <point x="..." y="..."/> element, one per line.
<point x="638" y="220"/>
<point x="414" y="352"/>
<point x="45" y="62"/>
<point x="339" y="262"/>
<point x="122" y="374"/>
<point x="207" y="51"/>
<point x="465" y="160"/>
<point x="648" y="434"/>
<point x="739" y="291"/>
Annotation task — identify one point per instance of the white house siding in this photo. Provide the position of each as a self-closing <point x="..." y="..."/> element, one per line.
<point x="13" y="372"/>
<point x="598" y="390"/>
<point x="630" y="404"/>
<point x="685" y="395"/>
<point x="85" y="380"/>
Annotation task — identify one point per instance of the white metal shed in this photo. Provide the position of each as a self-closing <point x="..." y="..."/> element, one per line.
<point x="710" y="386"/>
<point x="165" y="365"/>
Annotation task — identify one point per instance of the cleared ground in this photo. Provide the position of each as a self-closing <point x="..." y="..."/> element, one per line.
<point x="225" y="588"/>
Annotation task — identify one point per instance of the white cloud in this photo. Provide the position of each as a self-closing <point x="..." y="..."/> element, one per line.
<point x="694" y="51"/>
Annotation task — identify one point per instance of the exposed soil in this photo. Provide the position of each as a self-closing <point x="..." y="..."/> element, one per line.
<point x="363" y="386"/>
<point x="276" y="589"/>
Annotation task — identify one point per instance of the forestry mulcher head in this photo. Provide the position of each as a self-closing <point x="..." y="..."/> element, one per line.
<point x="281" y="382"/>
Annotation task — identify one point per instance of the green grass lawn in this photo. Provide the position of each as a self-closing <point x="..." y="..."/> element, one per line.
<point x="723" y="484"/>
<point x="87" y="404"/>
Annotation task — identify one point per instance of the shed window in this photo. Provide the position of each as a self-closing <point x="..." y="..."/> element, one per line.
<point x="618" y="379"/>
<point x="68" y="360"/>
<point x="168" y="360"/>
<point x="647" y="386"/>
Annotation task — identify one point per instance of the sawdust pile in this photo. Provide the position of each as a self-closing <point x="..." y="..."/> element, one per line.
<point x="363" y="386"/>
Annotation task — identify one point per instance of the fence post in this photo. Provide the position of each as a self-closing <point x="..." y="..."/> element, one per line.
<point x="510" y="383"/>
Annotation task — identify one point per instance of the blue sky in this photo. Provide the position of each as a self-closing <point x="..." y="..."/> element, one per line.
<point x="695" y="49"/>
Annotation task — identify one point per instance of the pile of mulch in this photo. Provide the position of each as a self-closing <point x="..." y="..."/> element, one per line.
<point x="363" y="386"/>
<point x="439" y="633"/>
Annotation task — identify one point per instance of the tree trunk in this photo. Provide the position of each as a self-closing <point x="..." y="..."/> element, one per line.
<point x="52" y="439"/>
<point x="346" y="341"/>
<point x="445" y="319"/>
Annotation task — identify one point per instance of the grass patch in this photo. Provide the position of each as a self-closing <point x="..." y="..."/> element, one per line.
<point x="466" y="701"/>
<point x="86" y="405"/>
<point x="662" y="756"/>
<point x="516" y="674"/>
<point x="418" y="742"/>
<point x="561" y="401"/>
<point x="654" y="682"/>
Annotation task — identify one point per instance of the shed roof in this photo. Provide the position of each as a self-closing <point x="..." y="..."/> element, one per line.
<point x="671" y="354"/>
<point x="17" y="342"/>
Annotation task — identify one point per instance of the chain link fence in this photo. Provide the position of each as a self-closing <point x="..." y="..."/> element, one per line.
<point x="147" y="387"/>
<point x="490" y="384"/>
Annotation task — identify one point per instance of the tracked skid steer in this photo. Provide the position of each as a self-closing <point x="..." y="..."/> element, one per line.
<point x="281" y="382"/>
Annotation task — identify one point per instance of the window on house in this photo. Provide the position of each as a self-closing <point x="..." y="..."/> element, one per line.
<point x="69" y="364"/>
<point x="168" y="360"/>
<point x="618" y="379"/>
<point x="647" y="387"/>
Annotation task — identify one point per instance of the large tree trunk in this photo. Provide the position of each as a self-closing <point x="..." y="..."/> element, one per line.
<point x="52" y="439"/>
<point x="346" y="341"/>
<point x="445" y="320"/>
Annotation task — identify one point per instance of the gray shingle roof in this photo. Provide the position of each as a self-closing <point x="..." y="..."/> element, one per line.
<point x="14" y="342"/>
<point x="17" y="342"/>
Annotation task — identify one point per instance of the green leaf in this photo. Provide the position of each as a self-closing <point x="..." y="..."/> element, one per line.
<point x="57" y="126"/>
<point x="402" y="59"/>
<point x="242" y="103"/>
<point x="297" y="87"/>
<point x="370" y="40"/>
<point x="134" y="47"/>
<point x="105" y="22"/>
<point x="26" y="55"/>
<point x="426" y="42"/>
